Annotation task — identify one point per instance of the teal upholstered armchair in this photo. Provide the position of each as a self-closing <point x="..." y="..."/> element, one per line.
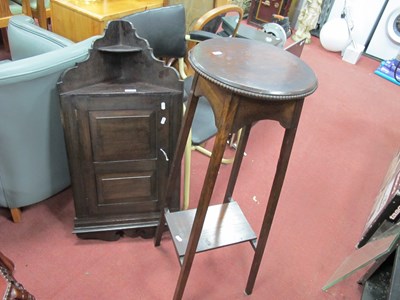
<point x="33" y="160"/>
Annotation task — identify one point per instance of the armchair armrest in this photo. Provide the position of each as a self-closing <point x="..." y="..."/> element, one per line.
<point x="44" y="64"/>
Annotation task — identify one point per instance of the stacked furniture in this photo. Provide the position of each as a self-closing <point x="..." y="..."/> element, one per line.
<point x="40" y="10"/>
<point x="9" y="9"/>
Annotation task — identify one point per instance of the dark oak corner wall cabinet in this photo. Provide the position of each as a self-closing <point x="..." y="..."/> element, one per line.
<point x="121" y="111"/>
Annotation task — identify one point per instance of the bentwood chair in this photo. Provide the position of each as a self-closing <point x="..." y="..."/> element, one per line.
<point x="203" y="127"/>
<point x="164" y="29"/>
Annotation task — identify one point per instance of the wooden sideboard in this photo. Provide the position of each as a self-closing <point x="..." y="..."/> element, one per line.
<point x="81" y="19"/>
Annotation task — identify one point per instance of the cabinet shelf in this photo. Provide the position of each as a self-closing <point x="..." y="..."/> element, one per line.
<point x="225" y="225"/>
<point x="116" y="87"/>
<point x="120" y="48"/>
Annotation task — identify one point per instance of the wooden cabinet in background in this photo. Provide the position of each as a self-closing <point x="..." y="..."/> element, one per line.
<point x="79" y="20"/>
<point x="261" y="11"/>
<point x="121" y="111"/>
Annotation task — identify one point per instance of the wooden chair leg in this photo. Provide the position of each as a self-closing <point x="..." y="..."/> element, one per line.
<point x="42" y="21"/>
<point x="187" y="165"/>
<point x="16" y="215"/>
<point x="41" y="14"/>
<point x="202" y="150"/>
<point x="176" y="166"/>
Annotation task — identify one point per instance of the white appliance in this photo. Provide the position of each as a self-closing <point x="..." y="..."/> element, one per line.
<point x="385" y="41"/>
<point x="363" y="15"/>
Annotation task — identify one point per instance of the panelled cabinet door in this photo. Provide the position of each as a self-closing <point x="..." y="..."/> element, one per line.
<point x="125" y="152"/>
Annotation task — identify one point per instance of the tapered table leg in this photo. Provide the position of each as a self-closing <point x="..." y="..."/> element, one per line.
<point x="176" y="166"/>
<point x="206" y="193"/>
<point x="276" y="188"/>
<point x="244" y="137"/>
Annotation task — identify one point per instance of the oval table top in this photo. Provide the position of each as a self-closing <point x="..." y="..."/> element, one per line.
<point x="254" y="69"/>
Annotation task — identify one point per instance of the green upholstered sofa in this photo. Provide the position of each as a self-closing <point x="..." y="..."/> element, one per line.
<point x="33" y="160"/>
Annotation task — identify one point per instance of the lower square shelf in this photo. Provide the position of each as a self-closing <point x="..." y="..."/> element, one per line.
<point x="225" y="225"/>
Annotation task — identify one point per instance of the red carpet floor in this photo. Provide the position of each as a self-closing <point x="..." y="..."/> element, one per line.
<point x="348" y="133"/>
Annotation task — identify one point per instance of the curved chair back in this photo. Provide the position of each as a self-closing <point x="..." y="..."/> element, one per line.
<point x="212" y="20"/>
